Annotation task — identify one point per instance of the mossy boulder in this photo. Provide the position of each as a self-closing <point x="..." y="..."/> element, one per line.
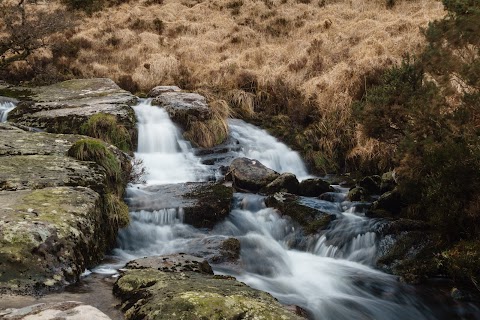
<point x="157" y="295"/>
<point x="48" y="237"/>
<point x="250" y="175"/>
<point x="388" y="204"/>
<point x="371" y="184"/>
<point x="58" y="214"/>
<point x="314" y="187"/>
<point x="310" y="219"/>
<point x="286" y="182"/>
<point x="67" y="106"/>
<point x="358" y="194"/>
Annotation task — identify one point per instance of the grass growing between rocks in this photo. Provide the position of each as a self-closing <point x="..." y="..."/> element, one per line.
<point x="96" y="151"/>
<point x="106" y="127"/>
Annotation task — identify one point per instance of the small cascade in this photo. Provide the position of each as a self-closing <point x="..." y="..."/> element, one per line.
<point x="257" y="144"/>
<point x="5" y="108"/>
<point x="166" y="155"/>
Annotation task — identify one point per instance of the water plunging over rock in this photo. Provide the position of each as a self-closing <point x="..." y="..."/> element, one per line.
<point x="5" y="107"/>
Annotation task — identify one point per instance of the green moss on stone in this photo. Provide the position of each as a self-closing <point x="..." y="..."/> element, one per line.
<point x="106" y="127"/>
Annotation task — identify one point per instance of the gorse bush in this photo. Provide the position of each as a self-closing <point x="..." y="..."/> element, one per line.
<point x="428" y="108"/>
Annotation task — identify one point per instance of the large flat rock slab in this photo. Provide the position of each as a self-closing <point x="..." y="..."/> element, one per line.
<point x="15" y="141"/>
<point x="65" y="106"/>
<point x="40" y="171"/>
<point x="48" y="236"/>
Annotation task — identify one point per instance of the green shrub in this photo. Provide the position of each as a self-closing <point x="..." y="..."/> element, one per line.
<point x="106" y="127"/>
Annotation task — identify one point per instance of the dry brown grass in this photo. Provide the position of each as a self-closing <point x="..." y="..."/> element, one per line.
<point x="322" y="49"/>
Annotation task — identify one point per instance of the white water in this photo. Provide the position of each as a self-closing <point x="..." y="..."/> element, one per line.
<point x="258" y="144"/>
<point x="329" y="274"/>
<point x="5" y="108"/>
<point x="167" y="157"/>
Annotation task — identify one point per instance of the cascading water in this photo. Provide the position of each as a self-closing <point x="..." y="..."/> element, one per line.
<point x="5" y="108"/>
<point x="258" y="144"/>
<point x="167" y="157"/>
<point x="329" y="274"/>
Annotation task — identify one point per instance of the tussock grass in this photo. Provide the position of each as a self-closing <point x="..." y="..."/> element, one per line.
<point x="117" y="210"/>
<point x="211" y="132"/>
<point x="256" y="54"/>
<point x="96" y="151"/>
<point x="105" y="127"/>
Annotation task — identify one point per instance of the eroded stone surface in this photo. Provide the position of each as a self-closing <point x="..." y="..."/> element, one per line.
<point x="68" y="310"/>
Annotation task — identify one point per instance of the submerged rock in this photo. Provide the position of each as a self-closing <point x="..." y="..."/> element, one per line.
<point x="67" y="310"/>
<point x="153" y="294"/>
<point x="310" y="219"/>
<point x="250" y="175"/>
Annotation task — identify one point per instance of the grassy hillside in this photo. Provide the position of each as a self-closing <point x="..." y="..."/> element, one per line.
<point x="284" y="63"/>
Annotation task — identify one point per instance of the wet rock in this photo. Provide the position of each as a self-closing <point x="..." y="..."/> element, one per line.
<point x="67" y="310"/>
<point x="358" y="194"/>
<point x="184" y="107"/>
<point x="153" y="294"/>
<point x="370" y="184"/>
<point x="388" y="182"/>
<point x="65" y="106"/>
<point x="313" y="187"/>
<point x="203" y="204"/>
<point x="48" y="237"/>
<point x="310" y="219"/>
<point x="250" y="175"/>
<point x="155" y="92"/>
<point x="286" y="182"/>
<point x="333" y="196"/>
<point x="172" y="263"/>
<point x="215" y="249"/>
<point x="389" y="204"/>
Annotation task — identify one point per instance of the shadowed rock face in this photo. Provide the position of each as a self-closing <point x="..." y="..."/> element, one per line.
<point x="65" y="106"/>
<point x="149" y="293"/>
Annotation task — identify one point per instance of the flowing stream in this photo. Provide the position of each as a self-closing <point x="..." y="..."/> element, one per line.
<point x="330" y="275"/>
<point x="5" y="108"/>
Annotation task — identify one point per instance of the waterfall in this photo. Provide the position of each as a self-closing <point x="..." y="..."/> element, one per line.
<point x="329" y="274"/>
<point x="5" y="108"/>
<point x="167" y="157"/>
<point x="257" y="144"/>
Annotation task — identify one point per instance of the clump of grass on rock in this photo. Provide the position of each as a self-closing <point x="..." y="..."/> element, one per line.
<point x="106" y="127"/>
